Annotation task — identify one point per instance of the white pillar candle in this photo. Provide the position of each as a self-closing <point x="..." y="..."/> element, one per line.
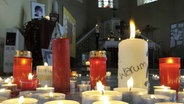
<point x="132" y="61"/>
<point x="50" y="96"/>
<point x="110" y="102"/>
<point x="44" y="74"/>
<point x="45" y="89"/>
<point x="88" y="97"/>
<point x="128" y="95"/>
<point x="16" y="101"/>
<point x="167" y="92"/>
<point x="62" y="102"/>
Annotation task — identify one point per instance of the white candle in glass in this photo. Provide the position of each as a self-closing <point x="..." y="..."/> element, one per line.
<point x="21" y="100"/>
<point x="62" y="102"/>
<point x="45" y="89"/>
<point x="44" y="74"/>
<point x="168" y="92"/>
<point x="50" y="96"/>
<point x="88" y="97"/>
<point x="110" y="102"/>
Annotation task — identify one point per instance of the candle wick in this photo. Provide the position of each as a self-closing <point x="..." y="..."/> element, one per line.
<point x="130" y="89"/>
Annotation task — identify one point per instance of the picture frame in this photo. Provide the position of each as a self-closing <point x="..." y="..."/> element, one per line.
<point x="37" y="10"/>
<point x="47" y="56"/>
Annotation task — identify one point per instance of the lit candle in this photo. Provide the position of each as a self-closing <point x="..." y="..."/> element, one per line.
<point x="45" y="89"/>
<point x="110" y="102"/>
<point x="132" y="60"/>
<point x="88" y="97"/>
<point x="44" y="74"/>
<point x="50" y="96"/>
<point x="129" y="92"/>
<point x="84" y="87"/>
<point x="29" y="84"/>
<point x="22" y="66"/>
<point x="5" y="93"/>
<point x="169" y="68"/>
<point x="97" y="67"/>
<point x="10" y="86"/>
<point x="62" y="102"/>
<point x="20" y="100"/>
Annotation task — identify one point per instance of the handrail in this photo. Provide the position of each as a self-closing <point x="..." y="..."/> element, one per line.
<point x="85" y="36"/>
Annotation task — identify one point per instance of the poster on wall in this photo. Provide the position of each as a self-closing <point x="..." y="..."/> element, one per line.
<point x="37" y="10"/>
<point x="177" y="33"/>
<point x="69" y="24"/>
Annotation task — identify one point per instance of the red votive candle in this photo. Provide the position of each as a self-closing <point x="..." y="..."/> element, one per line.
<point x="97" y="67"/>
<point x="61" y="65"/>
<point x="169" y="68"/>
<point x="29" y="84"/>
<point x="22" y="66"/>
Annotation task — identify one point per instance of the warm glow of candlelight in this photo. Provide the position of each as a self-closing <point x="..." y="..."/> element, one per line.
<point x="2" y="90"/>
<point x="45" y="86"/>
<point x="45" y="64"/>
<point x="170" y="61"/>
<point x="23" y="62"/>
<point x="51" y="94"/>
<point x="21" y="100"/>
<point x="100" y="86"/>
<point x="60" y="103"/>
<point x="30" y="76"/>
<point x="153" y="97"/>
<point x="105" y="100"/>
<point x="130" y="83"/>
<point x="132" y="29"/>
<point x="9" y="83"/>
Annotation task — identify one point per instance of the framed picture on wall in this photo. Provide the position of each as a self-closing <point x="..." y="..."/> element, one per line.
<point x="37" y="10"/>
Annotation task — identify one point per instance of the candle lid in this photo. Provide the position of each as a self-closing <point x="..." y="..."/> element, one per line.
<point x="98" y="53"/>
<point x="20" y="53"/>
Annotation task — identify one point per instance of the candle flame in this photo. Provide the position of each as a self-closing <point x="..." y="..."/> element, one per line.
<point x="21" y="100"/>
<point x="153" y="97"/>
<point x="105" y="100"/>
<point x="170" y="60"/>
<point x="45" y="86"/>
<point x="2" y="90"/>
<point x="30" y="76"/>
<point x="130" y="83"/>
<point x="23" y="62"/>
<point x="132" y="29"/>
<point x="45" y="64"/>
<point x="51" y="94"/>
<point x="60" y="103"/>
<point x="100" y="86"/>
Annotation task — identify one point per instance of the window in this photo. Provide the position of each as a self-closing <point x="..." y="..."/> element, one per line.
<point x="105" y="4"/>
<point x="142" y="2"/>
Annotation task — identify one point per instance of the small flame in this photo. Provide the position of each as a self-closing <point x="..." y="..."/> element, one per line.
<point x="153" y="97"/>
<point x="45" y="86"/>
<point x="100" y="86"/>
<point x="21" y="100"/>
<point x="105" y="100"/>
<point x="130" y="83"/>
<point x="2" y="90"/>
<point x="60" y="102"/>
<point x="51" y="94"/>
<point x="45" y="64"/>
<point x="30" y="76"/>
<point x="132" y="29"/>
<point x="170" y="60"/>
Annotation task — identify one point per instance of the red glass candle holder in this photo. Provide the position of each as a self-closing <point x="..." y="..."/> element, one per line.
<point x="28" y="84"/>
<point x="169" y="68"/>
<point x="22" y="66"/>
<point x="97" y="67"/>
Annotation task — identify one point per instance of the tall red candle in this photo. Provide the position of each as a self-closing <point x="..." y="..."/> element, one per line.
<point x="169" y="68"/>
<point x="61" y="65"/>
<point x="97" y="67"/>
<point x="22" y="66"/>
